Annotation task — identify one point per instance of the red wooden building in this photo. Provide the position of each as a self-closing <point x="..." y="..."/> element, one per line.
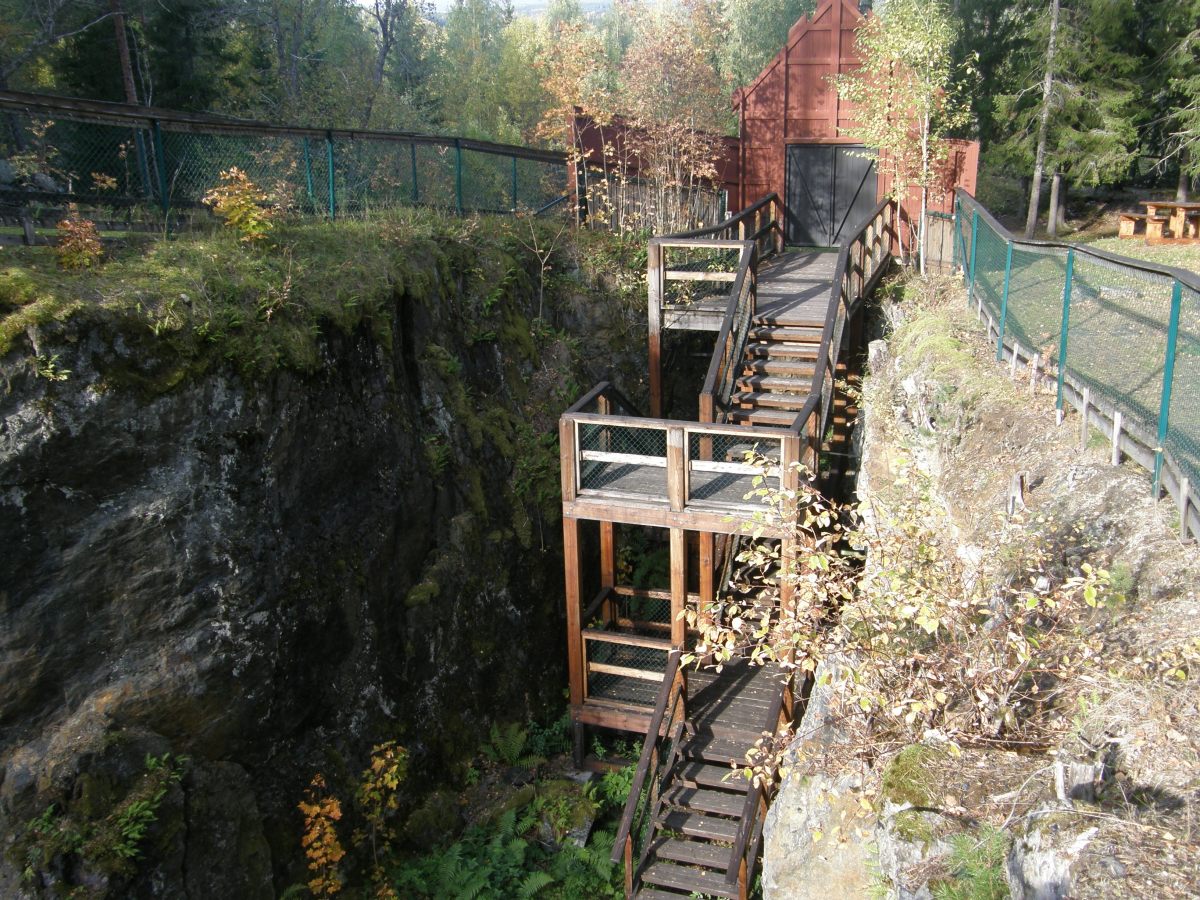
<point x="792" y="136"/>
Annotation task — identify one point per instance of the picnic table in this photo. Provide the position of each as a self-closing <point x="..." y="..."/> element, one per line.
<point x="1183" y="218"/>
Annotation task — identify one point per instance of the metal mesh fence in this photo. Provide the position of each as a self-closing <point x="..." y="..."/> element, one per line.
<point x="612" y="685"/>
<point x="52" y="154"/>
<point x="1132" y="328"/>
<point x="623" y="458"/>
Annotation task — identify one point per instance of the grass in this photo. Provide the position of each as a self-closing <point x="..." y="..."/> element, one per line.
<point x="203" y="298"/>
<point x="1184" y="256"/>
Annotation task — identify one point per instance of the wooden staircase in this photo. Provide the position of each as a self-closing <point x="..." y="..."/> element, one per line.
<point x="777" y="370"/>
<point x="694" y="825"/>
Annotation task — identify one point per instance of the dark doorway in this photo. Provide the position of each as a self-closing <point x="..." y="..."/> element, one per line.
<point x="830" y="187"/>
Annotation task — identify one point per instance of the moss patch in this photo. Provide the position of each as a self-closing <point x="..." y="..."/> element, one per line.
<point x="907" y="778"/>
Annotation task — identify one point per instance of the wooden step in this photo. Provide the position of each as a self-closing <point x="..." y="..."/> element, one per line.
<point x="759" y="349"/>
<point x="655" y="894"/>
<point x="792" y="318"/>
<point x="687" y="878"/>
<point x="787" y="333"/>
<point x="780" y="383"/>
<point x="795" y="368"/>
<point x="705" y="801"/>
<point x="711" y="828"/>
<point x="692" y="853"/>
<point x="719" y="750"/>
<point x="779" y="418"/>
<point x="698" y="774"/>
<point x="772" y="399"/>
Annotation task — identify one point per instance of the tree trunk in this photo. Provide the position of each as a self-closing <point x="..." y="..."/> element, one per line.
<point x="1052" y="215"/>
<point x="118" y="17"/>
<point x="1062" y="206"/>
<point x="1181" y="187"/>
<point x="1039" y="163"/>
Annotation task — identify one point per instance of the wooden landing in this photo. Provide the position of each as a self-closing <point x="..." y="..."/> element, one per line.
<point x="729" y="709"/>
<point x="793" y="289"/>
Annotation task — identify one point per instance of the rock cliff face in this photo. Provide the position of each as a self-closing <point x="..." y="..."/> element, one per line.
<point x="265" y="576"/>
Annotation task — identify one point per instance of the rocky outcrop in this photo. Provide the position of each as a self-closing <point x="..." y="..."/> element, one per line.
<point x="265" y="576"/>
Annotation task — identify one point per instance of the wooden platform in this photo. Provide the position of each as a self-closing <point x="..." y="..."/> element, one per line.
<point x="793" y="289"/>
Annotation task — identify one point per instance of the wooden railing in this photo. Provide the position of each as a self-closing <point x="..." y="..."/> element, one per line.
<point x="659" y="754"/>
<point x="862" y="260"/>
<point x="731" y="339"/>
<point x="743" y="858"/>
<point x="759" y="225"/>
<point x="664" y="472"/>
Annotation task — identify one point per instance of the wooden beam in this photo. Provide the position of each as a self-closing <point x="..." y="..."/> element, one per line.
<point x="574" y="590"/>
<point x="690" y="275"/>
<point x="566" y="458"/>
<point x="608" y="568"/>
<point x="727" y="520"/>
<point x="676" y="469"/>
<point x="627" y="640"/>
<point x="707" y="591"/>
<point x="678" y="586"/>
<point x="654" y="287"/>
<point x="625" y="672"/>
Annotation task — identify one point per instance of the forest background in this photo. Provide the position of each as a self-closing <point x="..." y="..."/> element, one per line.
<point x="1119" y="90"/>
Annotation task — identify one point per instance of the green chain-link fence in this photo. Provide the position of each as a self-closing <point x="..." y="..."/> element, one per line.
<point x="151" y="165"/>
<point x="1122" y="336"/>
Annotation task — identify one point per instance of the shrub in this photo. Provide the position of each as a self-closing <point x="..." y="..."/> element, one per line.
<point x="78" y="243"/>
<point x="243" y="205"/>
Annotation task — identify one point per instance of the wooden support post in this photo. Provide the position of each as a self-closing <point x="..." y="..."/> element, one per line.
<point x="678" y="586"/>
<point x="1184" y="488"/>
<point x="676" y="469"/>
<point x="608" y="568"/>
<point x="1033" y="371"/>
<point x="1083" y="418"/>
<point x="572" y="564"/>
<point x="1118" y="421"/>
<point x="654" y="286"/>
<point x="707" y="576"/>
<point x="1012" y="366"/>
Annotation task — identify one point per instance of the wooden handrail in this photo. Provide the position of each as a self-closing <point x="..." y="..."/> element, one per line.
<point x="643" y="768"/>
<point x="730" y="345"/>
<point x="839" y="299"/>
<point x="754" y="796"/>
<point x="735" y="220"/>
<point x="602" y="389"/>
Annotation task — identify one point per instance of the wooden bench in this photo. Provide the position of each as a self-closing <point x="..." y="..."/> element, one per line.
<point x="1191" y="227"/>
<point x="1129" y="222"/>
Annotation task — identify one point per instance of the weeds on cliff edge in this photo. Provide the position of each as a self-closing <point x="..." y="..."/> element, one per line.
<point x="927" y="649"/>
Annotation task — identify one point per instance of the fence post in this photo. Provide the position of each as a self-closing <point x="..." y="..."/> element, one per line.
<point x="308" y="182"/>
<point x="458" y="204"/>
<point x="329" y="164"/>
<point x="412" y="153"/>
<point x="1004" y="305"/>
<point x="957" y="236"/>
<point x="1164" y="408"/>
<point x="514" y="184"/>
<point x="974" y="247"/>
<point x="160" y="160"/>
<point x="1066" y="327"/>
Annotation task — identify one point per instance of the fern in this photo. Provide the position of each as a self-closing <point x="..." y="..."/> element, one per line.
<point x="534" y="883"/>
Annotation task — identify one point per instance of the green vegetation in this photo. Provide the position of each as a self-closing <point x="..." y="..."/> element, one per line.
<point x="1186" y="256"/>
<point x="205" y="299"/>
<point x="104" y="830"/>
<point x="551" y="838"/>
<point x="907" y="778"/>
<point x="976" y="867"/>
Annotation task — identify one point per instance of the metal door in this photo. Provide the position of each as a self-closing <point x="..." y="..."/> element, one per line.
<point x="829" y="188"/>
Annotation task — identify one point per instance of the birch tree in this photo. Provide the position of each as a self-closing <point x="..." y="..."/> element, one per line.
<point x="903" y="97"/>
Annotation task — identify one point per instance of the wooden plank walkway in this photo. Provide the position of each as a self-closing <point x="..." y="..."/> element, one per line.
<point x="794" y="288"/>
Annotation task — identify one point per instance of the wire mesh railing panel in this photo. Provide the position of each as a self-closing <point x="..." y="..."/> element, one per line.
<point x="1035" y="295"/>
<point x="47" y="156"/>
<point x="1127" y="347"/>
<point x="607" y="663"/>
<point x="698" y="259"/>
<point x="622" y="458"/>
<point x="990" y="255"/>
<point x="1117" y="334"/>
<point x="1183" y="433"/>
<point x="121" y="157"/>
<point x="640" y="608"/>
<point x="723" y="468"/>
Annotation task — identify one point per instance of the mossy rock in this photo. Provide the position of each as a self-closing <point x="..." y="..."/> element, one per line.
<point x="564" y="808"/>
<point x="435" y="822"/>
<point x="422" y="594"/>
